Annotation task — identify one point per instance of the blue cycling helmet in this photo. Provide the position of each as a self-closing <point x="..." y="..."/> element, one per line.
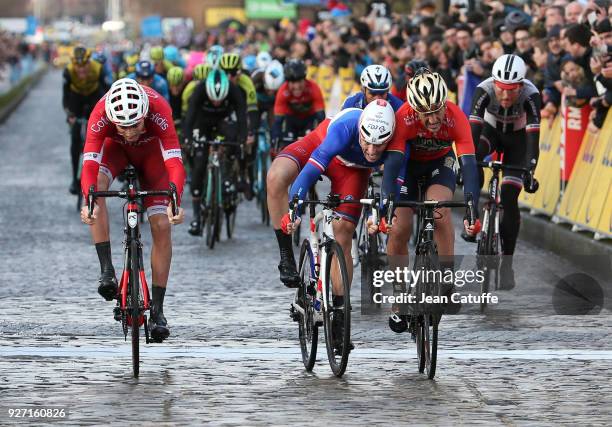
<point x="249" y="63"/>
<point x="144" y="70"/>
<point x="171" y="53"/>
<point x="99" y="57"/>
<point x="213" y="57"/>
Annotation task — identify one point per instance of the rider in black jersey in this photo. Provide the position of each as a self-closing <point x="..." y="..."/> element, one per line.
<point x="505" y="117"/>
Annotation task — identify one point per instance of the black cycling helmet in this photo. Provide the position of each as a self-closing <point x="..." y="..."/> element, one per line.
<point x="81" y="55"/>
<point x="413" y="66"/>
<point x="144" y="70"/>
<point x="295" y="70"/>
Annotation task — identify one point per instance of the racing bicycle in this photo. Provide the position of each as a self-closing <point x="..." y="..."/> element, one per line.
<point x="133" y="299"/>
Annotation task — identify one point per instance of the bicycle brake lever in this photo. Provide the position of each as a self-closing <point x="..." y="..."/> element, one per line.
<point x="90" y="201"/>
<point x="470" y="209"/>
<point x="293" y="206"/>
<point x="375" y="209"/>
<point x="173" y="199"/>
<point x="390" y="208"/>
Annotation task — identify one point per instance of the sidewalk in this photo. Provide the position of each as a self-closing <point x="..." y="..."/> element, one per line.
<point x="12" y="95"/>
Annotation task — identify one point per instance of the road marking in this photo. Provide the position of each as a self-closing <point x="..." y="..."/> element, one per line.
<point x="276" y="353"/>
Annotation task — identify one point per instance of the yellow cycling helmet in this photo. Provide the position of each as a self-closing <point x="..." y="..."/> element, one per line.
<point x="156" y="53"/>
<point x="81" y="55"/>
<point x="426" y="92"/>
<point x="175" y="76"/>
<point x="200" y="71"/>
<point x="230" y="62"/>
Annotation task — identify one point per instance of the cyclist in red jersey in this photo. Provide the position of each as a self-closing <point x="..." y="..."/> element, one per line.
<point x="430" y="124"/>
<point x="299" y="104"/>
<point x="132" y="124"/>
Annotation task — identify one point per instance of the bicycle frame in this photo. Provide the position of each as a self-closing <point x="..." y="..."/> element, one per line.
<point x="132" y="240"/>
<point x="132" y="243"/>
<point x="321" y="236"/>
<point x="262" y="158"/>
<point x="492" y="206"/>
<point x="214" y="166"/>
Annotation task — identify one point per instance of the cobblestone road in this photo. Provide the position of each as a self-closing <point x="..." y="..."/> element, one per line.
<point x="233" y="358"/>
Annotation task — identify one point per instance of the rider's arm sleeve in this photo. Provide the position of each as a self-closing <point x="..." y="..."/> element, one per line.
<point x="533" y="104"/>
<point x="479" y="105"/>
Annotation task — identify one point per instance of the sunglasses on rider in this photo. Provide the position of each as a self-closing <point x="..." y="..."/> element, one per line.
<point x="135" y="125"/>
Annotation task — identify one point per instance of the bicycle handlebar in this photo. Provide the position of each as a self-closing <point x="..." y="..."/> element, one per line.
<point x="432" y="204"/>
<point x="132" y="196"/>
<point x="332" y="201"/>
<point x="496" y="164"/>
<point x="203" y="140"/>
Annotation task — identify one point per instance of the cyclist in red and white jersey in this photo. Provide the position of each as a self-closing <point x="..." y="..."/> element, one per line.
<point x="132" y="124"/>
<point x="429" y="125"/>
<point x="299" y="105"/>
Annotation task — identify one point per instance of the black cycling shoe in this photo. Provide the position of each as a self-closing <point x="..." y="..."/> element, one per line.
<point x="398" y="323"/>
<point x="158" y="325"/>
<point x="288" y="272"/>
<point x="467" y="237"/>
<point x="195" y="228"/>
<point x="75" y="187"/>
<point x="245" y="188"/>
<point x="108" y="285"/>
<point x="338" y="331"/>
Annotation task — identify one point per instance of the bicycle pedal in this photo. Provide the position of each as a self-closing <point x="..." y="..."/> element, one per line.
<point x="117" y="314"/>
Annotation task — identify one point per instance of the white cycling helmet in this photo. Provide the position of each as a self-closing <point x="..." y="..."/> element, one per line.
<point x="126" y="102"/>
<point x="509" y="71"/>
<point x="426" y="92"/>
<point x="376" y="77"/>
<point x="377" y="122"/>
<point x="263" y="60"/>
<point x="274" y="76"/>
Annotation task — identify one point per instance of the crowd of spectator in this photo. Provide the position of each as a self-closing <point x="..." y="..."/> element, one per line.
<point x="566" y="45"/>
<point x="17" y="57"/>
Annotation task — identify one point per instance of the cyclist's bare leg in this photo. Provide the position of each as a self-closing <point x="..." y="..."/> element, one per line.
<point x="397" y="251"/>
<point x="343" y="233"/>
<point x="397" y="244"/>
<point x="100" y="229"/>
<point x="282" y="173"/>
<point x="444" y="233"/>
<point x="161" y="251"/>
<point x="161" y="255"/>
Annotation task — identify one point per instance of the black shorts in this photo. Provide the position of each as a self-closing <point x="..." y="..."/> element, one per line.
<point x="513" y="145"/>
<point x="440" y="171"/>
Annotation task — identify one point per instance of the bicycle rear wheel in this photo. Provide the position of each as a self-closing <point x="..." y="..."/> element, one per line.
<point x="305" y="296"/>
<point x="134" y="310"/>
<point x="337" y="340"/>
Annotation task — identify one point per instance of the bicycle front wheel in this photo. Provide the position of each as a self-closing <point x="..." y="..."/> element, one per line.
<point x="427" y="343"/>
<point x="134" y="309"/>
<point x="213" y="214"/>
<point x="428" y="316"/>
<point x="337" y="320"/>
<point x="305" y="297"/>
<point x="263" y="194"/>
<point x="487" y="258"/>
<point x="230" y="221"/>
